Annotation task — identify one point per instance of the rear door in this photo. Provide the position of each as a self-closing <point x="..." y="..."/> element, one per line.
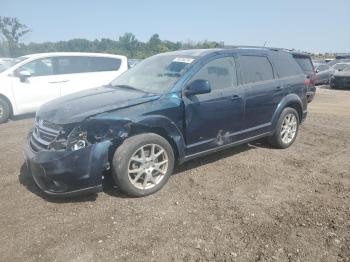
<point x="42" y="86"/>
<point x="83" y="72"/>
<point x="262" y="93"/>
<point x="213" y="118"/>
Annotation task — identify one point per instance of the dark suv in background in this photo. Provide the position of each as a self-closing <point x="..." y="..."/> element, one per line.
<point x="168" y="109"/>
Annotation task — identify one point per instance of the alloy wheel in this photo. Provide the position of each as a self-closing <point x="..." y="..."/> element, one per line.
<point x="289" y="128"/>
<point x="148" y="166"/>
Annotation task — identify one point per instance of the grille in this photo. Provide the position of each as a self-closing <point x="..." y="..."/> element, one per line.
<point x="43" y="134"/>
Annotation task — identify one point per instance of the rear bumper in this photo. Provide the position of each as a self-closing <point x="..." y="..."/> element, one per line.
<point x="310" y="93"/>
<point x="63" y="173"/>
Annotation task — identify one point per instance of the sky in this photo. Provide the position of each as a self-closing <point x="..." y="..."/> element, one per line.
<point x="307" y="25"/>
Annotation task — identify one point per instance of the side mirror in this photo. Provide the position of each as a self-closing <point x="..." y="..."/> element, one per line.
<point x="23" y="75"/>
<point x="317" y="71"/>
<point x="197" y="87"/>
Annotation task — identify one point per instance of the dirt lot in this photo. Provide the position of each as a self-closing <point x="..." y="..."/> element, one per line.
<point x="251" y="203"/>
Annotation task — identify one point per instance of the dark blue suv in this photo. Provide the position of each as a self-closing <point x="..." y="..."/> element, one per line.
<point x="168" y="109"/>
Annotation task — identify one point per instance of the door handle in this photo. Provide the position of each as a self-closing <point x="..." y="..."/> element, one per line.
<point x="57" y="82"/>
<point x="235" y="97"/>
<point x="278" y="88"/>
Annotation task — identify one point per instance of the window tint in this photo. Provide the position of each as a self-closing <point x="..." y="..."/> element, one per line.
<point x="40" y="67"/>
<point x="305" y="64"/>
<point x="81" y="64"/>
<point x="285" y="65"/>
<point x="255" y="69"/>
<point x="71" y="65"/>
<point x="99" y="64"/>
<point x="221" y="73"/>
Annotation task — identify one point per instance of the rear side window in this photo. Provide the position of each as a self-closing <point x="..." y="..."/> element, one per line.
<point x="305" y="64"/>
<point x="255" y="69"/>
<point x="73" y="65"/>
<point x="221" y="73"/>
<point x="285" y="65"/>
<point x="85" y="64"/>
<point x="100" y="64"/>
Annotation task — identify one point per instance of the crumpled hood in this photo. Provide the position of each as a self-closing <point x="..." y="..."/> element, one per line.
<point x="78" y="106"/>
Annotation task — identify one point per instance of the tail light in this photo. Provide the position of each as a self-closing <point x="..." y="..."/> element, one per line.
<point x="307" y="81"/>
<point x="313" y="78"/>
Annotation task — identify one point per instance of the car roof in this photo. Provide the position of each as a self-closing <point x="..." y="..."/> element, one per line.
<point x="203" y="52"/>
<point x="53" y="54"/>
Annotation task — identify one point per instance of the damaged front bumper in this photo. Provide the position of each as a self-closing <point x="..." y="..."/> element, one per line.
<point x="68" y="173"/>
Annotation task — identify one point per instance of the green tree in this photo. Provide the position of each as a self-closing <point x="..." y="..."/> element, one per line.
<point x="12" y="31"/>
<point x="129" y="44"/>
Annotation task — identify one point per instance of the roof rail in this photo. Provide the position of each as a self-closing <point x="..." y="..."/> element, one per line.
<point x="257" y="47"/>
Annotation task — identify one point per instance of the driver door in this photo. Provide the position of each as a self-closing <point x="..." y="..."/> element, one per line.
<point x="213" y="118"/>
<point x="40" y="87"/>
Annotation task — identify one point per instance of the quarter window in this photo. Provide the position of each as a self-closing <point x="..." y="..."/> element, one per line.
<point x="221" y="73"/>
<point x="255" y="69"/>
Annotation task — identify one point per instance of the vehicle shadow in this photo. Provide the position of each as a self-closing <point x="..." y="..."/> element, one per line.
<point x="22" y="117"/>
<point x="111" y="188"/>
<point x="25" y="178"/>
<point x="213" y="157"/>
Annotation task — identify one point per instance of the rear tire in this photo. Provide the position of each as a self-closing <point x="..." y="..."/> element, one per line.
<point x="143" y="164"/>
<point x="5" y="110"/>
<point x="286" y="129"/>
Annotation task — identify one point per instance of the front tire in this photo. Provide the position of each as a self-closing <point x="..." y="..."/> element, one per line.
<point x="143" y="164"/>
<point x="5" y="111"/>
<point x="286" y="129"/>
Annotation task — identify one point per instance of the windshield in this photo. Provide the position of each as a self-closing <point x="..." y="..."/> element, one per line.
<point x="155" y="74"/>
<point x="8" y="63"/>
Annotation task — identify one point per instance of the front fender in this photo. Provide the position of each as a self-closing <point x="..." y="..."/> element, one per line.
<point x="125" y="127"/>
<point x="168" y="126"/>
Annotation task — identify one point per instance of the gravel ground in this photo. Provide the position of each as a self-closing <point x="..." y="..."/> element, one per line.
<point x="250" y="203"/>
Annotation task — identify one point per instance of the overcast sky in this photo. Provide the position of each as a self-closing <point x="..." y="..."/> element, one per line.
<point x="308" y="25"/>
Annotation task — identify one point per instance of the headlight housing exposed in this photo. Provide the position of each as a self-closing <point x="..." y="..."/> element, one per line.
<point x="77" y="139"/>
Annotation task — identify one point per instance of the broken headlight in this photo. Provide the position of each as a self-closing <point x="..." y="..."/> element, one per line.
<point x="77" y="139"/>
<point x="81" y="137"/>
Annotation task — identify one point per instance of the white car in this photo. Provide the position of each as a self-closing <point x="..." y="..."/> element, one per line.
<point x="33" y="80"/>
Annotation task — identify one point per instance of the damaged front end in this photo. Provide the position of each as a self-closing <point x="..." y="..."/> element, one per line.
<point x="70" y="159"/>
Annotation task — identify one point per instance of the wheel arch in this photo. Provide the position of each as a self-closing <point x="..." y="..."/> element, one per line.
<point x="293" y="101"/>
<point x="163" y="127"/>
<point x="8" y="102"/>
<point x="157" y="124"/>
